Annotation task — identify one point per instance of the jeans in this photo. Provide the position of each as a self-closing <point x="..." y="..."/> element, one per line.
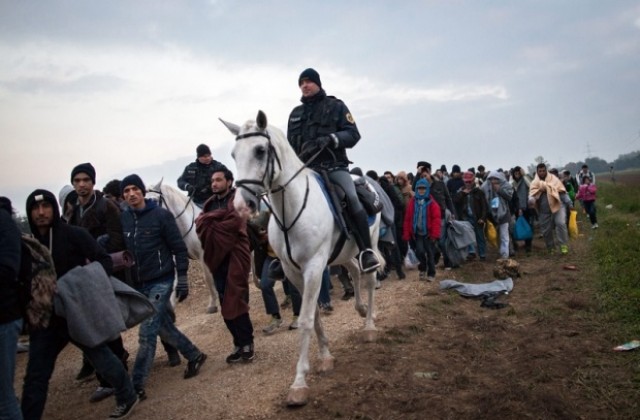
<point x="9" y="333"/>
<point x="44" y="347"/>
<point x="481" y="243"/>
<point x="160" y="324"/>
<point x="590" y="208"/>
<point x="296" y="298"/>
<point x="266" y="287"/>
<point x="325" y="287"/>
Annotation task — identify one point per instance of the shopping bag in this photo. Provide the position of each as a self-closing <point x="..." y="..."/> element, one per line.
<point x="522" y="230"/>
<point x="573" y="224"/>
<point x="491" y="234"/>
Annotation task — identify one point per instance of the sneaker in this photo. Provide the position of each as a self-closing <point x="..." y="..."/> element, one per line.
<point x="564" y="249"/>
<point x="86" y="372"/>
<point x="594" y="226"/>
<point x="471" y="257"/>
<point x="294" y="323"/>
<point x="430" y="278"/>
<point x="422" y="275"/>
<point x="235" y="356"/>
<point x="123" y="410"/>
<point x="141" y="394"/>
<point x="447" y="269"/>
<point x="194" y="367"/>
<point x="101" y="393"/>
<point x="368" y="261"/>
<point x="483" y="258"/>
<point x="286" y="303"/>
<point x="246" y="355"/>
<point x="273" y="325"/>
<point x="348" y="294"/>
<point x="22" y="348"/>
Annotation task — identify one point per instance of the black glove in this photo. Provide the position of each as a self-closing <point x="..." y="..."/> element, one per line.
<point x="311" y="147"/>
<point x="182" y="288"/>
<point x="190" y="188"/>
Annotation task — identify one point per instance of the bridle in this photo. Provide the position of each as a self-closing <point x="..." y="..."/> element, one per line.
<point x="176" y="217"/>
<point x="272" y="159"/>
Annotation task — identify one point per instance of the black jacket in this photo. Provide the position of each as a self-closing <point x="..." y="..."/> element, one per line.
<point x="10" y="308"/>
<point x="100" y="217"/>
<point x="319" y="116"/>
<point x="198" y="176"/>
<point x="153" y="237"/>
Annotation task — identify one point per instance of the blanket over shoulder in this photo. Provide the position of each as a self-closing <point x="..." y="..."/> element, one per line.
<point x="552" y="186"/>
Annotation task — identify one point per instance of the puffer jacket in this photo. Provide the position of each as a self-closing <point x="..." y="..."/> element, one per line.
<point x="153" y="237"/>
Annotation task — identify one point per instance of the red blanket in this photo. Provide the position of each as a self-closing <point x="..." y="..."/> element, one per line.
<point x="223" y="232"/>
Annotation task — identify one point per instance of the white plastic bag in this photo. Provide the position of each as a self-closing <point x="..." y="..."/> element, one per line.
<point x="411" y="262"/>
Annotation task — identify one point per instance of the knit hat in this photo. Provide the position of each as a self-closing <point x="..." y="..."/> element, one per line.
<point x="443" y="168"/>
<point x="202" y="150"/>
<point x="455" y="169"/>
<point x="356" y="171"/>
<point x="86" y="168"/>
<point x="132" y="179"/>
<point x="311" y="75"/>
<point x="425" y="165"/>
<point x="372" y="174"/>
<point x="467" y="176"/>
<point x="64" y="194"/>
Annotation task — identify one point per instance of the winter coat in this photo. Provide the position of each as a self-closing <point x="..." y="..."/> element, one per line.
<point x="153" y="237"/>
<point x="10" y="248"/>
<point x="434" y="225"/>
<point x="587" y="192"/>
<point x="478" y="204"/>
<point x="101" y="216"/>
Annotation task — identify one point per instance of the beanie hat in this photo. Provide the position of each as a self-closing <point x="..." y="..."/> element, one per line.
<point x="64" y="194"/>
<point x="455" y="169"/>
<point x="372" y="174"/>
<point x="425" y="165"/>
<point x="467" y="176"/>
<point x="356" y="171"/>
<point x="132" y="179"/>
<point x="86" y="168"/>
<point x="443" y="168"/>
<point x="202" y="150"/>
<point x="311" y="75"/>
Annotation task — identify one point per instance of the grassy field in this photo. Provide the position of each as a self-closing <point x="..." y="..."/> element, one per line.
<point x="617" y="253"/>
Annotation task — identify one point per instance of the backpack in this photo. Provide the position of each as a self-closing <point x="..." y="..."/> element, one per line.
<point x="37" y="283"/>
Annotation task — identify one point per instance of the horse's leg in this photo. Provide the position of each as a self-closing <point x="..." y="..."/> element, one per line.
<point x="310" y="288"/>
<point x="326" y="359"/>
<point x="354" y="272"/>
<point x="213" y="293"/>
<point x="370" y="332"/>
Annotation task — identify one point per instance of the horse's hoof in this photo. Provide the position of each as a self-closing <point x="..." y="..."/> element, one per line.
<point x="212" y="309"/>
<point x="326" y="365"/>
<point x="298" y="397"/>
<point x="370" y="336"/>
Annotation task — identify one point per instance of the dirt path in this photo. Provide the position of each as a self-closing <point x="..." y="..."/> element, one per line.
<point x="438" y="356"/>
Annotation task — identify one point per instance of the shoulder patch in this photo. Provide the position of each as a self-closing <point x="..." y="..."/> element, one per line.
<point x="349" y="118"/>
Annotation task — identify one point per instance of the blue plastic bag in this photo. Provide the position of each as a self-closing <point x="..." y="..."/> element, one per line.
<point x="522" y="230"/>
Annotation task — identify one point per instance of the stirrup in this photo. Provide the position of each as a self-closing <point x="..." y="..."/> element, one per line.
<point x="373" y="267"/>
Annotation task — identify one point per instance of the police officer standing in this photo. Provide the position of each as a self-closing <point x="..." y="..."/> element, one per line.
<point x="324" y="125"/>
<point x="196" y="178"/>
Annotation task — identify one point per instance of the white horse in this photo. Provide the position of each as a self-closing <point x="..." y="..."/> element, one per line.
<point x="185" y="213"/>
<point x="302" y="232"/>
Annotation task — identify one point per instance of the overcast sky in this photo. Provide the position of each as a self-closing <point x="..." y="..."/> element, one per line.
<point x="130" y="84"/>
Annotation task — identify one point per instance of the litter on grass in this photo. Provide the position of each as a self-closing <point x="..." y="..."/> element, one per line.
<point x="631" y="345"/>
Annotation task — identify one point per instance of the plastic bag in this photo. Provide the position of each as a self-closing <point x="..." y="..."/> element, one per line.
<point x="573" y="224"/>
<point x="411" y="261"/>
<point x="491" y="233"/>
<point x="522" y="230"/>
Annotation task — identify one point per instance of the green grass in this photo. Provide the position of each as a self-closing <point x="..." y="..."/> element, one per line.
<point x="616" y="262"/>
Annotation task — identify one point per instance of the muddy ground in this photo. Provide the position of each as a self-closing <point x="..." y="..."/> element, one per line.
<point x="547" y="355"/>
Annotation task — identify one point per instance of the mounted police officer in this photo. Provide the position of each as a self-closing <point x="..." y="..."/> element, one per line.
<point x="196" y="178"/>
<point x="324" y="126"/>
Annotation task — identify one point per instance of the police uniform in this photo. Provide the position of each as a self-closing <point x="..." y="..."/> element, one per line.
<point x="324" y="120"/>
<point x="199" y="176"/>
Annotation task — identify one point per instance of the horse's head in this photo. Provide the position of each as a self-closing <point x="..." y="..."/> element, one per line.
<point x="257" y="155"/>
<point x="154" y="191"/>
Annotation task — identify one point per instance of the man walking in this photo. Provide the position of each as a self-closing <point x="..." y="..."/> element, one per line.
<point x="70" y="246"/>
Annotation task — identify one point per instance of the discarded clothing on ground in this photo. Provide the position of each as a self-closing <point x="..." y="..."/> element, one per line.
<point x="488" y="292"/>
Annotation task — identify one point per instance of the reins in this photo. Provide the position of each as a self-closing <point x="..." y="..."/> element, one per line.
<point x="193" y="213"/>
<point x="273" y="157"/>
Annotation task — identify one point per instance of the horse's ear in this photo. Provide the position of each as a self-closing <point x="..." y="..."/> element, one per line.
<point x="160" y="183"/>
<point x="235" y="129"/>
<point x="261" y="120"/>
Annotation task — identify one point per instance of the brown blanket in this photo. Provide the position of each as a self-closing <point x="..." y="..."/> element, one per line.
<point x="223" y="232"/>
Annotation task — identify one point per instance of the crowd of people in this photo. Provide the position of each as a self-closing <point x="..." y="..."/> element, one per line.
<point x="84" y="224"/>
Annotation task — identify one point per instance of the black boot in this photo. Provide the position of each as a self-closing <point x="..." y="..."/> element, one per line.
<point x="367" y="258"/>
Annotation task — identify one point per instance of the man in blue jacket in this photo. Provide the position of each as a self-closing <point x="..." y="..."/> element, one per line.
<point x="152" y="235"/>
<point x="70" y="246"/>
